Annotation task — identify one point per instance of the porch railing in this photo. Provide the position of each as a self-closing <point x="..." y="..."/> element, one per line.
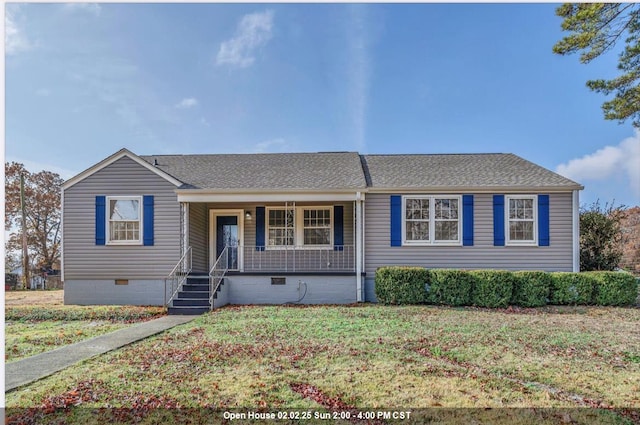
<point x="298" y="259"/>
<point x="178" y="275"/>
<point x="216" y="274"/>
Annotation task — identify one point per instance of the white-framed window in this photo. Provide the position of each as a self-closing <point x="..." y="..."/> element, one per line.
<point x="432" y="220"/>
<point x="316" y="226"/>
<point x="522" y="219"/>
<point x="300" y="226"/>
<point x="417" y="220"/>
<point x="124" y="220"/>
<point x="280" y="226"/>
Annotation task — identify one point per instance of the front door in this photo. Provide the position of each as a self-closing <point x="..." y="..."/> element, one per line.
<point x="226" y="229"/>
<point x="227" y="236"/>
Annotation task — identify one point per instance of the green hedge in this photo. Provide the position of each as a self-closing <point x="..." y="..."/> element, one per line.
<point x="531" y="288"/>
<point x="614" y="288"/>
<point x="401" y="285"/>
<point x="493" y="288"/>
<point x="450" y="287"/>
<point x="499" y="288"/>
<point x="571" y="288"/>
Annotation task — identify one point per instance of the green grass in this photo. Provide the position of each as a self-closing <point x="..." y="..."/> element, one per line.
<point x="112" y="313"/>
<point x="27" y="339"/>
<point x="366" y="357"/>
<point x="31" y="330"/>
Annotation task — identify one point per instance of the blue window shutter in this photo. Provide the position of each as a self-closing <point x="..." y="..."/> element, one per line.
<point x="101" y="218"/>
<point x="498" y="220"/>
<point x="543" y="220"/>
<point x="147" y="220"/>
<point x="467" y="220"/>
<point x="338" y="228"/>
<point x="396" y="220"/>
<point x="260" y="223"/>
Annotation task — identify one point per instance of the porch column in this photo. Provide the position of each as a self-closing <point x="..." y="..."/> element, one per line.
<point x="359" y="246"/>
<point x="184" y="227"/>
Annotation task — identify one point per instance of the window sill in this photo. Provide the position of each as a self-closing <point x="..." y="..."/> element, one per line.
<point x="529" y="244"/>
<point x="433" y="244"/>
<point x="300" y="248"/>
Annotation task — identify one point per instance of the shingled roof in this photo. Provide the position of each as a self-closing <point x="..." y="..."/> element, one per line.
<point x="469" y="171"/>
<point x="269" y="171"/>
<point x="349" y="170"/>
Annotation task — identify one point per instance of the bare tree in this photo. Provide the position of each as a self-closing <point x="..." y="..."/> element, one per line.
<point x="42" y="214"/>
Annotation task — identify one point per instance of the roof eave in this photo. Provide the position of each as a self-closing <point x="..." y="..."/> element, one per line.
<point x="250" y="191"/>
<point x="474" y="189"/>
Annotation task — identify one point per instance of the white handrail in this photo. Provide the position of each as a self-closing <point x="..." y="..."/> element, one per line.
<point x="341" y="258"/>
<point x="216" y="274"/>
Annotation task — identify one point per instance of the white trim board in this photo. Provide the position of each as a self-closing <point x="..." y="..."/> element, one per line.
<point x="265" y="197"/>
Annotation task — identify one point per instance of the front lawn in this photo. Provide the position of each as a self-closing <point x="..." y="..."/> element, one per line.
<point x="364" y="357"/>
<point x="31" y="330"/>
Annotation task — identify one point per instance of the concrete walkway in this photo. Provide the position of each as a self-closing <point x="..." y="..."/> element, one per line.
<point x="26" y="371"/>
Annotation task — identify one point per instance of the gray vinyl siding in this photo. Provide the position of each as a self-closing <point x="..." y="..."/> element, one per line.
<point x="483" y="255"/>
<point x="199" y="229"/>
<point x="86" y="261"/>
<point x="199" y="236"/>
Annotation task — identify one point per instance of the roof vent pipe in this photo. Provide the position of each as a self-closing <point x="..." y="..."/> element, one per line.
<point x="155" y="162"/>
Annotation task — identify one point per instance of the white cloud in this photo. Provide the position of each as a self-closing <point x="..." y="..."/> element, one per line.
<point x="204" y="122"/>
<point x="92" y="8"/>
<point x="15" y="40"/>
<point x="186" y="103"/>
<point x="272" y="145"/>
<point x="116" y="83"/>
<point x="253" y="31"/>
<point x="359" y="72"/>
<point x="623" y="159"/>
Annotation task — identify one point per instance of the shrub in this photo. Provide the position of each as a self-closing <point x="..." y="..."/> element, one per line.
<point x="450" y="287"/>
<point x="531" y="288"/>
<point x="401" y="285"/>
<point x="571" y="288"/>
<point x="601" y="237"/>
<point x="492" y="288"/>
<point x="614" y="288"/>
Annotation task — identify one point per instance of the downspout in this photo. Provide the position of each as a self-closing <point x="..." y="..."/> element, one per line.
<point x="364" y="247"/>
<point x="576" y="230"/>
<point x="62" y="235"/>
<point x="359" y="247"/>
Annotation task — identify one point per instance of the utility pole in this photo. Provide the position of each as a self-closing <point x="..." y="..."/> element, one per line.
<point x="25" y="249"/>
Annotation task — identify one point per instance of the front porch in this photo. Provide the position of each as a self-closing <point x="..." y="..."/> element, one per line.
<point x="290" y="237"/>
<point x="276" y="252"/>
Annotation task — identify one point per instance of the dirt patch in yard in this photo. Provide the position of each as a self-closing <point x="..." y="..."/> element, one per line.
<point x="35" y="297"/>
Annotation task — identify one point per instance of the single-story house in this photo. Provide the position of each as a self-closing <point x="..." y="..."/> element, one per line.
<point x="303" y="227"/>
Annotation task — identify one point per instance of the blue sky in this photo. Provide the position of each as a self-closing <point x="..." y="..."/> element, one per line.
<point x="84" y="80"/>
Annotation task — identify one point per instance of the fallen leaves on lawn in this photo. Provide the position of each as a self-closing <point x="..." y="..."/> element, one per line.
<point x="83" y="392"/>
<point x="331" y="403"/>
